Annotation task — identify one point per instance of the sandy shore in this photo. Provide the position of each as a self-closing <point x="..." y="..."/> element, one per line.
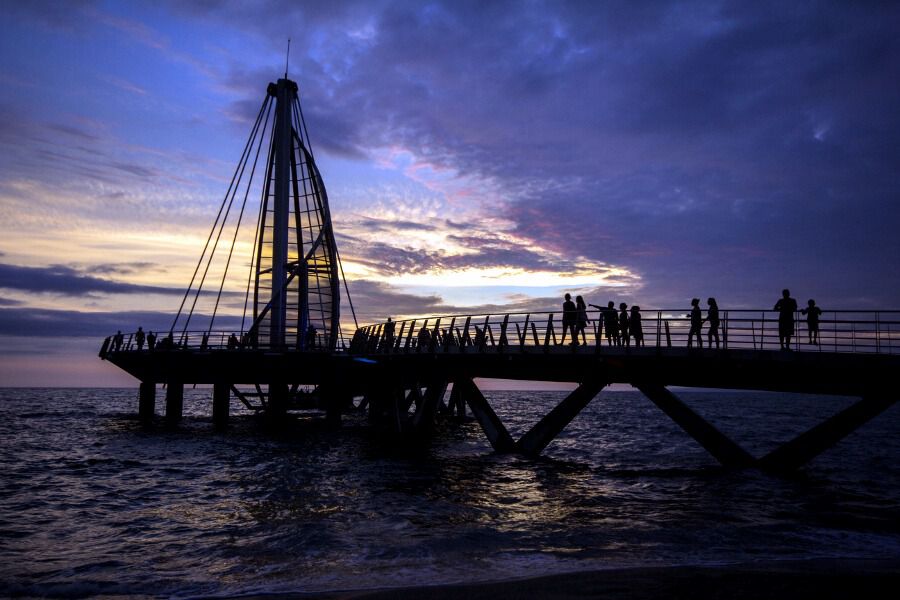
<point x="820" y="579"/>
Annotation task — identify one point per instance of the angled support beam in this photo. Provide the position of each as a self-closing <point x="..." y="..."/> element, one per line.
<point x="493" y="428"/>
<point x="723" y="449"/>
<point x="546" y="430"/>
<point x="823" y="436"/>
<point x="414" y="395"/>
<point x="423" y="419"/>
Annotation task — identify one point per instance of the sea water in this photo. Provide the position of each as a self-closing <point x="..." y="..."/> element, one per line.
<point x="92" y="503"/>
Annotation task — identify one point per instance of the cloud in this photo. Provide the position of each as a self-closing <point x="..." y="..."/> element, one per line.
<point x="60" y="279"/>
<point x="725" y="144"/>
<point x="33" y="322"/>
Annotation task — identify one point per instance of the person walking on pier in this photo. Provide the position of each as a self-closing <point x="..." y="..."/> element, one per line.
<point x="569" y="318"/>
<point x="624" y="325"/>
<point x="232" y="342"/>
<point x="139" y="338"/>
<point x="582" y="320"/>
<point x="310" y="337"/>
<point x="712" y="317"/>
<point x="637" y="331"/>
<point x="151" y="341"/>
<point x="696" y="323"/>
<point x="117" y="340"/>
<point x="786" y="308"/>
<point x="812" y="313"/>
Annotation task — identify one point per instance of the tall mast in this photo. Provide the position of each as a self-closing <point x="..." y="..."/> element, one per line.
<point x="285" y="92"/>
<point x="297" y="291"/>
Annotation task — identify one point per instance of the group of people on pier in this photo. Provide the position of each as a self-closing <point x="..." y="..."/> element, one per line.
<point x="620" y="326"/>
<point x="624" y="326"/>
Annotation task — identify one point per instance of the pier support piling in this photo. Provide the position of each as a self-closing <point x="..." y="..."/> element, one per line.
<point x="423" y="419"/>
<point x="723" y="449"/>
<point x="147" y="402"/>
<point x="278" y="401"/>
<point x="221" y="404"/>
<point x="546" y="430"/>
<point x="174" y="402"/>
<point x="823" y="436"/>
<point x="414" y="396"/>
<point x="336" y="399"/>
<point x="490" y="423"/>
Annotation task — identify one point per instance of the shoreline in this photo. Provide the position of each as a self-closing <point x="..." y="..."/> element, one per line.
<point x="813" y="578"/>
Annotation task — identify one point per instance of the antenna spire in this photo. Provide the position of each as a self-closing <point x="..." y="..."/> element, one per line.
<point x="287" y="58"/>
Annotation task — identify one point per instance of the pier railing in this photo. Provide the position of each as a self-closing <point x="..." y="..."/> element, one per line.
<point x="839" y="331"/>
<point x="851" y="331"/>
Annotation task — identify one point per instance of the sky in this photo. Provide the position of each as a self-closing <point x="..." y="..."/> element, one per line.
<point x="478" y="156"/>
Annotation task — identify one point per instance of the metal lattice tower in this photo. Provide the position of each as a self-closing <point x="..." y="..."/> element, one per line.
<point x="296" y="285"/>
<point x="292" y="288"/>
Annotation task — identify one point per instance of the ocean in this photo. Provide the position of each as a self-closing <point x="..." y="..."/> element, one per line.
<point x="92" y="504"/>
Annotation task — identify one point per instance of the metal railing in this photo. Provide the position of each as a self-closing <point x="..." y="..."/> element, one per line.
<point x="203" y="341"/>
<point x="852" y="331"/>
<point x="838" y="331"/>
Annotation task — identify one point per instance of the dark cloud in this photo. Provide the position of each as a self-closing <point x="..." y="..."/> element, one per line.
<point x="728" y="144"/>
<point x="9" y="302"/>
<point x="60" y="279"/>
<point x="67" y="16"/>
<point x="375" y="225"/>
<point x="32" y="322"/>
<point x="124" y="268"/>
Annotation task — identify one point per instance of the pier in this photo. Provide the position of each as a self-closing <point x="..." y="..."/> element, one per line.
<point x="294" y="352"/>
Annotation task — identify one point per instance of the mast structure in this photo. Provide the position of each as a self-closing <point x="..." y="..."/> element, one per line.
<point x="293" y="280"/>
<point x="296" y="292"/>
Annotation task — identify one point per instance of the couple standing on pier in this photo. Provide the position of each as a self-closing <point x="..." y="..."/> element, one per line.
<point x="712" y="317"/>
<point x="574" y="319"/>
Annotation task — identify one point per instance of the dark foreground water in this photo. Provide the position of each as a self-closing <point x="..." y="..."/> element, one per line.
<point x="92" y="504"/>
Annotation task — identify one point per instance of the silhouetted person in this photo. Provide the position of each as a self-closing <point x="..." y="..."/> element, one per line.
<point x="232" y="342"/>
<point x="139" y="338"/>
<point x="786" y="308"/>
<point x="637" y="330"/>
<point x="696" y="323"/>
<point x="151" y="341"/>
<point x="117" y="340"/>
<point x="624" y="332"/>
<point x="424" y="338"/>
<point x="569" y="319"/>
<point x="204" y="341"/>
<point x="581" y="319"/>
<point x="310" y="337"/>
<point x="712" y="317"/>
<point x="812" y="313"/>
<point x="387" y="339"/>
<point x="611" y="322"/>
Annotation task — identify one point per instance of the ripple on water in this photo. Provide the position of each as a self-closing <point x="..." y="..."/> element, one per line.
<point x="92" y="504"/>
